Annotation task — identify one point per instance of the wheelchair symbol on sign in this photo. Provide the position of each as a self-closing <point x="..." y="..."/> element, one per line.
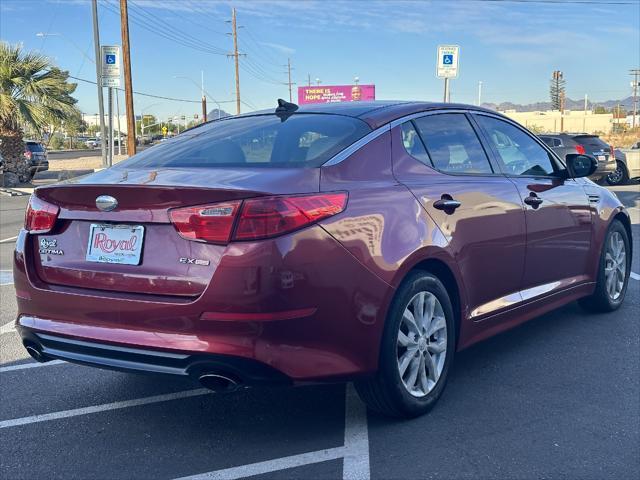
<point x="111" y="59"/>
<point x="447" y="59"/>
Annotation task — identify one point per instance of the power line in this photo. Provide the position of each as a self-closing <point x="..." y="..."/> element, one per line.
<point x="187" y="36"/>
<point x="561" y="2"/>
<point x="150" y="94"/>
<point x="150" y="26"/>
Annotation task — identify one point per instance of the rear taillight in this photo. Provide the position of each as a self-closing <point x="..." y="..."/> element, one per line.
<point x="206" y="223"/>
<point x="40" y="216"/>
<point x="580" y="150"/>
<point x="272" y="216"/>
<point x="612" y="151"/>
<point x="27" y="155"/>
<point x="255" y="218"/>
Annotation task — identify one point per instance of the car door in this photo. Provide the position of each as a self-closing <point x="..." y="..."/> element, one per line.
<point x="478" y="210"/>
<point x="557" y="210"/>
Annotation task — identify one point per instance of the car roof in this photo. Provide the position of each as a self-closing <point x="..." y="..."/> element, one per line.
<point x="376" y="113"/>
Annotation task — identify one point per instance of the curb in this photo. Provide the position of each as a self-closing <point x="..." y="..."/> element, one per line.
<point x="15" y="192"/>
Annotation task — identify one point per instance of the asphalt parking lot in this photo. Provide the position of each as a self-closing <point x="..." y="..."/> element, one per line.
<point x="558" y="397"/>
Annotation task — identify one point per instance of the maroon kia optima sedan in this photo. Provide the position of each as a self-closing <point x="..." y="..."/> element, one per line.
<point x="361" y="241"/>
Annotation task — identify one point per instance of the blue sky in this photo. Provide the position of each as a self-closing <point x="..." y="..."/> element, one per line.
<point x="511" y="46"/>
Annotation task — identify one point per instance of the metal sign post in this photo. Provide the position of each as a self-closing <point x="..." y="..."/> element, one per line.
<point x="447" y="66"/>
<point x="110" y="61"/>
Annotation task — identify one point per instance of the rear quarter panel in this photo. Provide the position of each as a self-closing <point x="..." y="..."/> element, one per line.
<point x="384" y="226"/>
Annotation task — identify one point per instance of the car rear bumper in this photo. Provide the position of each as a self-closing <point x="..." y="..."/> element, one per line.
<point x="604" y="169"/>
<point x="143" y="360"/>
<point x="272" y="302"/>
<point x="39" y="167"/>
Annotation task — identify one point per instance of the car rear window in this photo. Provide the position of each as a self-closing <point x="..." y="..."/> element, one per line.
<point x="35" y="147"/>
<point x="298" y="141"/>
<point x="591" y="141"/>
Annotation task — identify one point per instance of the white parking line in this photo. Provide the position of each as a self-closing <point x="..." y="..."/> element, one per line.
<point x="22" y="366"/>
<point x="635" y="276"/>
<point x="7" y="327"/>
<point x="6" y="277"/>
<point x="356" y="438"/>
<point x="271" y="465"/>
<point x="355" y="451"/>
<point x="45" y="417"/>
<point x="8" y="239"/>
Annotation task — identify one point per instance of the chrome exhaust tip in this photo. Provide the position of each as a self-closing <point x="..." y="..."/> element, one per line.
<point x="218" y="383"/>
<point x="34" y="351"/>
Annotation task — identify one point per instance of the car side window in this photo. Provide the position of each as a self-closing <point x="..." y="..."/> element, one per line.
<point x="413" y="145"/>
<point x="518" y="152"/>
<point x="452" y="144"/>
<point x="550" y="142"/>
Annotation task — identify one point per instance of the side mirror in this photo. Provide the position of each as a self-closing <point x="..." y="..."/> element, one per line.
<point x="580" y="165"/>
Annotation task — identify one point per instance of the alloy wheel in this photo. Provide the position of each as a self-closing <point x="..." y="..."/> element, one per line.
<point x="422" y="344"/>
<point x="615" y="266"/>
<point x="616" y="176"/>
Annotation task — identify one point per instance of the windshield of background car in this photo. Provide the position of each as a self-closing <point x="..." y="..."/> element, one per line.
<point x="297" y="141"/>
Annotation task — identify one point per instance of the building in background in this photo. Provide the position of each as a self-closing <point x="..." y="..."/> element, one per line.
<point x="572" y="121"/>
<point x="336" y="93"/>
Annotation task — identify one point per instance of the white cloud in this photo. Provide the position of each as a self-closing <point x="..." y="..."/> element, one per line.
<point x="281" y="48"/>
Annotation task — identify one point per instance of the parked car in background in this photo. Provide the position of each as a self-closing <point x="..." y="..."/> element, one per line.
<point x="346" y="241"/>
<point x="92" y="142"/>
<point x="583" y="144"/>
<point x="627" y="166"/>
<point x="36" y="157"/>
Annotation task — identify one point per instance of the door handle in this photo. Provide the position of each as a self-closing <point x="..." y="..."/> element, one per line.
<point x="446" y="204"/>
<point x="533" y="200"/>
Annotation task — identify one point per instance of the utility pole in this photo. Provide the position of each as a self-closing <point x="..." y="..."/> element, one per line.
<point x="118" y="122"/>
<point x="584" y="119"/>
<point x="635" y="84"/>
<point x="128" y="88"/>
<point x="235" y="56"/>
<point x="289" y="82"/>
<point x="96" y="41"/>
<point x="479" y="92"/>
<point x="204" y="99"/>
<point x="308" y="79"/>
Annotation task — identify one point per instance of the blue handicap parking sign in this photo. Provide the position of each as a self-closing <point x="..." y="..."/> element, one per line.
<point x="447" y="59"/>
<point x="110" y="59"/>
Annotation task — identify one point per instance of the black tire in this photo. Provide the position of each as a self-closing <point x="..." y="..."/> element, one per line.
<point x="620" y="176"/>
<point x="385" y="393"/>
<point x="600" y="300"/>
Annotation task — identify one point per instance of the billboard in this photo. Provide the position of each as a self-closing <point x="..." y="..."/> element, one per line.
<point x="335" y="93"/>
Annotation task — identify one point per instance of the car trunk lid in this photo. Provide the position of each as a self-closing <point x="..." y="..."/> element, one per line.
<point x="166" y="263"/>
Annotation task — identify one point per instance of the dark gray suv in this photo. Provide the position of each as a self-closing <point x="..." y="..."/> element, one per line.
<point x="584" y="144"/>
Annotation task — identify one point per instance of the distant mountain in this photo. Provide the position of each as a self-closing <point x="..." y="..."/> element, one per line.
<point x="213" y="114"/>
<point x="570" y="104"/>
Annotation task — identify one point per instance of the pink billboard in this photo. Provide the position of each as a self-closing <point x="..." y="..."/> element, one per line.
<point x="335" y="93"/>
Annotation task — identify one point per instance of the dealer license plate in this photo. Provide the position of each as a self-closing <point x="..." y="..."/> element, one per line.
<point x="115" y="244"/>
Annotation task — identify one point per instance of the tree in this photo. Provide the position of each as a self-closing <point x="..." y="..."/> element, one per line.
<point x="74" y="125"/>
<point x="34" y="93"/>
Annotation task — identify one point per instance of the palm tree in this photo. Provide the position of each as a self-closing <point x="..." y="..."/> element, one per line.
<point x="34" y="93"/>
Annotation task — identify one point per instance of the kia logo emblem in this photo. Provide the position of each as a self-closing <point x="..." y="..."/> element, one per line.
<point x="106" y="203"/>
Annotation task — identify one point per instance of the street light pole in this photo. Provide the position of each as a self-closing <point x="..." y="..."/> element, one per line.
<point x="75" y="45"/>
<point x="96" y="41"/>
